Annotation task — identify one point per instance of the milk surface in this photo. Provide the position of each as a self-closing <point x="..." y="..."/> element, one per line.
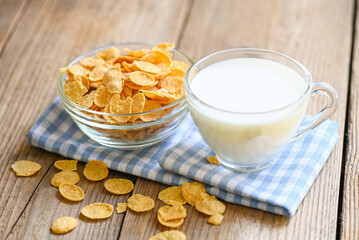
<point x="246" y="133"/>
<point x="248" y="85"/>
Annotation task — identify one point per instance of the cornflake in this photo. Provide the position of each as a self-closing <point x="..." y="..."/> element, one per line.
<point x="213" y="160"/>
<point x="172" y="196"/>
<point x="97" y="211"/>
<point x="71" y="192"/>
<point x="70" y="165"/>
<point x="65" y="177"/>
<point x="121" y="207"/>
<point x="168" y="213"/>
<point x="140" y="203"/>
<point x="95" y="170"/>
<point x="64" y="225"/>
<point x="191" y="191"/>
<point x="171" y="223"/>
<point x="24" y="168"/>
<point x="209" y="205"/>
<point x="119" y="186"/>
<point x="215" y="219"/>
<point x="169" y="235"/>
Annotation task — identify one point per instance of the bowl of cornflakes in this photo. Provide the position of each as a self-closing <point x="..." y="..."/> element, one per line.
<point x="127" y="95"/>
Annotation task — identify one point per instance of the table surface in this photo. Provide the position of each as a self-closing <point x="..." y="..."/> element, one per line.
<point x="39" y="36"/>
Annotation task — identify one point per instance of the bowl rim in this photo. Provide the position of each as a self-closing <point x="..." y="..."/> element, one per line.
<point x="79" y="109"/>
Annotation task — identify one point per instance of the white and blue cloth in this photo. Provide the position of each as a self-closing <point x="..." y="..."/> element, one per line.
<point x="279" y="189"/>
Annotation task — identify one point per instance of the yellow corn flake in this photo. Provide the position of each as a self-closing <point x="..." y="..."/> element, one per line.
<point x="24" y="168"/>
<point x="87" y="100"/>
<point x="110" y="54"/>
<point x="169" y="235"/>
<point x="172" y="196"/>
<point x="172" y="84"/>
<point x="95" y="170"/>
<point x="150" y="106"/>
<point x="176" y="72"/>
<point x="126" y="58"/>
<point x="83" y="79"/>
<point x="97" y="73"/>
<point x="102" y="96"/>
<point x="213" y="160"/>
<point x="91" y="62"/>
<point x="119" y="186"/>
<point x="127" y="91"/>
<point x="164" y="47"/>
<point x="146" y="67"/>
<point x="140" y="203"/>
<point x="75" y="90"/>
<point x="113" y="81"/>
<point x="191" y="191"/>
<point x="64" y="225"/>
<point x="209" y="205"/>
<point x="70" y="165"/>
<point x="142" y="79"/>
<point x="215" y="219"/>
<point x="128" y="67"/>
<point x="65" y="177"/>
<point x="71" y="192"/>
<point x="179" y="65"/>
<point x="157" y="57"/>
<point x="121" y="207"/>
<point x="137" y="53"/>
<point x="97" y="211"/>
<point x="118" y="106"/>
<point x="138" y="105"/>
<point x="63" y="70"/>
<point x="78" y="70"/>
<point x="171" y="223"/>
<point x="96" y="84"/>
<point x="169" y="213"/>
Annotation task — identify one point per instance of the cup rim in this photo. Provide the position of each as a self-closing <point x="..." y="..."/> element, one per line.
<point x="79" y="108"/>
<point x="309" y="81"/>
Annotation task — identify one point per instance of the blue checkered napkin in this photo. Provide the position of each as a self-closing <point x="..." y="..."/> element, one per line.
<point x="56" y="132"/>
<point x="280" y="188"/>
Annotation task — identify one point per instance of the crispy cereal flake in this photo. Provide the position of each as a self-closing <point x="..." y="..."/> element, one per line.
<point x="213" y="160"/>
<point x="97" y="211"/>
<point x="171" y="223"/>
<point x="113" y="81"/>
<point x="169" y="235"/>
<point x="75" y="90"/>
<point x="121" y="207"/>
<point x="102" y="96"/>
<point x="209" y="205"/>
<point x="142" y="79"/>
<point x="164" y="47"/>
<point x="95" y="170"/>
<point x="150" y="106"/>
<point x="140" y="203"/>
<point x="169" y="213"/>
<point x="70" y="165"/>
<point x="64" y="225"/>
<point x="65" y="177"/>
<point x="71" y="192"/>
<point x="191" y="191"/>
<point x="119" y="186"/>
<point x="215" y="219"/>
<point x="119" y="106"/>
<point x="146" y="67"/>
<point x="172" y="196"/>
<point x="24" y="168"/>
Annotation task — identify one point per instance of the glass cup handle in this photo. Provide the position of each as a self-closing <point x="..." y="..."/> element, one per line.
<point x="327" y="111"/>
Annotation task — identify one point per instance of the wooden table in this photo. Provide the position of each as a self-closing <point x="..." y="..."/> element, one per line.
<point x="39" y="36"/>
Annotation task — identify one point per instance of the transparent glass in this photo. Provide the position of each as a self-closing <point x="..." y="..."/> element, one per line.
<point x="125" y="136"/>
<point x="249" y="141"/>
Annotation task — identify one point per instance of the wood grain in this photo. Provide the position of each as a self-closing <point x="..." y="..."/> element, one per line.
<point x="49" y="35"/>
<point x="300" y="30"/>
<point x="350" y="206"/>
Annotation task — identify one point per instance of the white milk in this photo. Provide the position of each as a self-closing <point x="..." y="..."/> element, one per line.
<point x="247" y="88"/>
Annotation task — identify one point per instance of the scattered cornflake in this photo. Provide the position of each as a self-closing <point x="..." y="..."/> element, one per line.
<point x="71" y="192"/>
<point x="169" y="213"/>
<point x="191" y="191"/>
<point x="24" y="168"/>
<point x="64" y="225"/>
<point x="172" y="196"/>
<point x="169" y="235"/>
<point x="119" y="186"/>
<point x="164" y="47"/>
<point x="97" y="211"/>
<point x="121" y="207"/>
<point x="209" y="205"/>
<point x="142" y="79"/>
<point x="215" y="219"/>
<point x="140" y="203"/>
<point x="65" y="177"/>
<point x="213" y="160"/>
<point x="95" y="170"/>
<point x="171" y="223"/>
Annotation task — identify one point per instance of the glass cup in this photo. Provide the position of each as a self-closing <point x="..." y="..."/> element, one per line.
<point x="250" y="141"/>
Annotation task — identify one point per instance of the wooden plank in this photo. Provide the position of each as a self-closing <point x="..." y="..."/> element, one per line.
<point x="50" y="34"/>
<point x="350" y="205"/>
<point x="10" y="12"/>
<point x="316" y="33"/>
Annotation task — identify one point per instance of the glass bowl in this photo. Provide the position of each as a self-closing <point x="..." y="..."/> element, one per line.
<point x="126" y="136"/>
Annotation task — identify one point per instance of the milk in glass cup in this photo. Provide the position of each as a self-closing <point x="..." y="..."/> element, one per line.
<point x="248" y="103"/>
